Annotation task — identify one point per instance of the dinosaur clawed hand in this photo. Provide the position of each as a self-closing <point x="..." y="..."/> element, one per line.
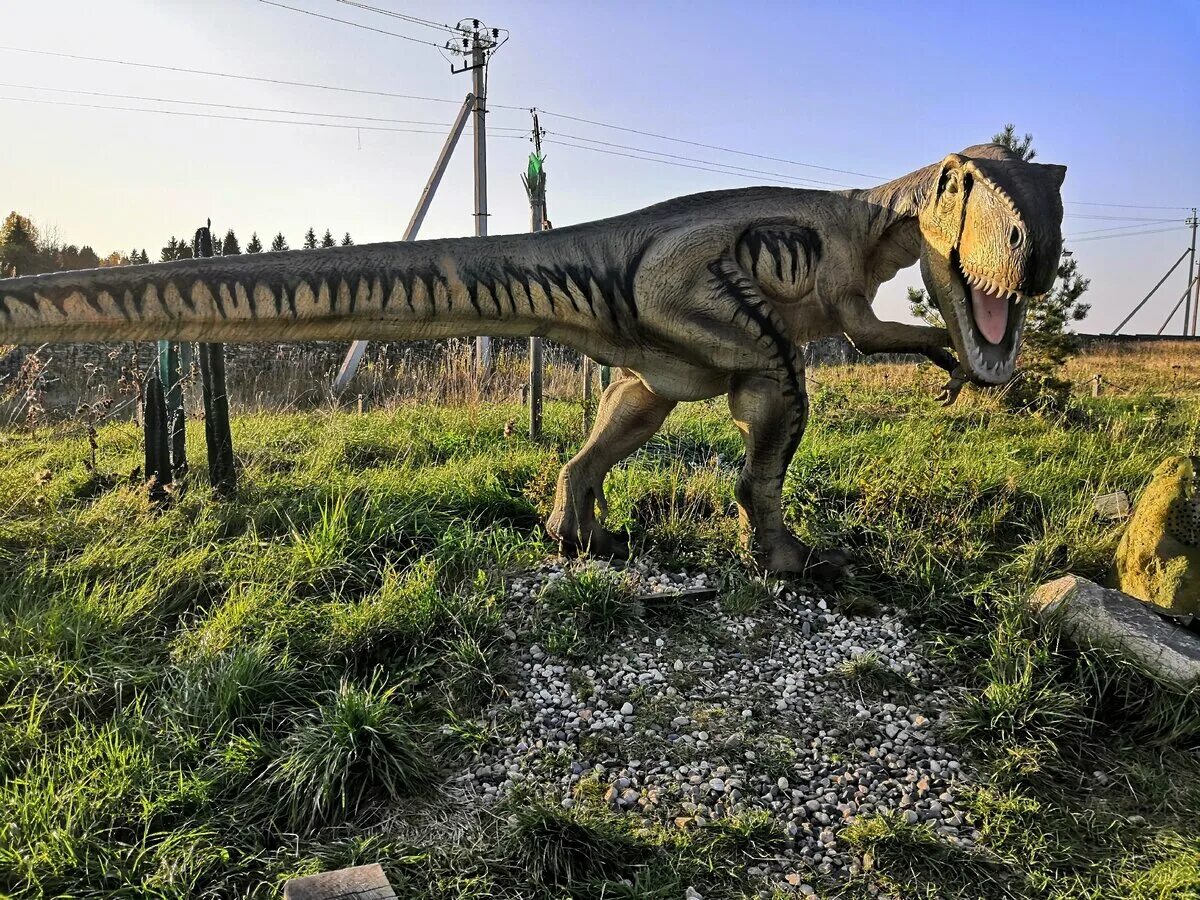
<point x="949" y="392"/>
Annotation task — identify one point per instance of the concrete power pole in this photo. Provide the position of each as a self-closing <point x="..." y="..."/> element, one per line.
<point x="479" y="43"/>
<point x="535" y="186"/>
<point x="1193" y="305"/>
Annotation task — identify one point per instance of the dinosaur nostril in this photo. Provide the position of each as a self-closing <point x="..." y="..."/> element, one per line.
<point x="1014" y="237"/>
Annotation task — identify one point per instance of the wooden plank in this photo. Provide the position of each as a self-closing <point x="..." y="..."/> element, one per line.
<point x="359" y="883"/>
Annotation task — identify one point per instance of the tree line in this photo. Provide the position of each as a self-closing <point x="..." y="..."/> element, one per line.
<point x="26" y="249"/>
<point x="230" y="246"/>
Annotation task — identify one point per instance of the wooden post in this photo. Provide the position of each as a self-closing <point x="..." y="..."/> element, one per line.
<point x="219" y="437"/>
<point x="1097" y="384"/>
<point x="587" y="395"/>
<point x="158" y="446"/>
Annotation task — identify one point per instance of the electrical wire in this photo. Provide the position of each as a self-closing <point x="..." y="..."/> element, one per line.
<point x="667" y="137"/>
<point x="1121" y="205"/>
<point x="1109" y="237"/>
<point x="200" y="115"/>
<point x="733" y="168"/>
<point x="267" y="109"/>
<point x="281" y="81"/>
<point x="309" y="12"/>
<point x="416" y="20"/>
<point x="1116" y="218"/>
<point x="665" y="162"/>
<point x="1111" y="228"/>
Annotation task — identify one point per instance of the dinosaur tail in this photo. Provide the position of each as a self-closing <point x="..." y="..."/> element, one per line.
<point x="550" y="284"/>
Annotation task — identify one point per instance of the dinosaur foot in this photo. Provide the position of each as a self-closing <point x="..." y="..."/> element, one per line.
<point x="793" y="557"/>
<point x="597" y="541"/>
<point x="949" y="392"/>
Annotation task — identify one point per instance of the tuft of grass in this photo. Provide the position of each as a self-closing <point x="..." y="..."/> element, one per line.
<point x="869" y="672"/>
<point x="361" y="744"/>
<point x="585" y="604"/>
<point x="744" y="595"/>
<point x="558" y="847"/>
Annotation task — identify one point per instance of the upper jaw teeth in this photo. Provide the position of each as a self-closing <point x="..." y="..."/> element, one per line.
<point x="991" y="287"/>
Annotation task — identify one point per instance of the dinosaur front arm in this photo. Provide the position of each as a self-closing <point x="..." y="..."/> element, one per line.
<point x="870" y="334"/>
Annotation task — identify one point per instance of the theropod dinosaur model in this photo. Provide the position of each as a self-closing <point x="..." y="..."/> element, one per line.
<point x="699" y="296"/>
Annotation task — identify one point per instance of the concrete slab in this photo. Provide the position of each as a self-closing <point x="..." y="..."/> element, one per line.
<point x="1094" y="616"/>
<point x="360" y="883"/>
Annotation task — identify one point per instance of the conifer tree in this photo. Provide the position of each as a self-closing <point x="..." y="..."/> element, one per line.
<point x="327" y="240"/>
<point x="346" y="240"/>
<point x="255" y="245"/>
<point x="171" y="251"/>
<point x="230" y="246"/>
<point x="310" y="239"/>
<point x="278" y="243"/>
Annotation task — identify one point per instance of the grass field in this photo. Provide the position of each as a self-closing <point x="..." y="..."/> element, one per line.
<point x="208" y="700"/>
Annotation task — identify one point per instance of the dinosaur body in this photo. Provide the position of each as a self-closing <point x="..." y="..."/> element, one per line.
<point x="692" y="298"/>
<point x="1158" y="559"/>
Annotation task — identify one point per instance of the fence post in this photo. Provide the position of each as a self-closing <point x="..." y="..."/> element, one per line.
<point x="158" y="447"/>
<point x="219" y="438"/>
<point x="1097" y="384"/>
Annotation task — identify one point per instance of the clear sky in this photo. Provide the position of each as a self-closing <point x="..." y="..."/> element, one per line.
<point x="1107" y="88"/>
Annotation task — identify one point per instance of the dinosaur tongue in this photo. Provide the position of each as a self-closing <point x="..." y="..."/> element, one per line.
<point x="991" y="314"/>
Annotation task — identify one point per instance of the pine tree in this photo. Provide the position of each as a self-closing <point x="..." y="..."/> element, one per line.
<point x="1022" y="146"/>
<point x="327" y="240"/>
<point x="171" y="251"/>
<point x="346" y="240"/>
<point x="230" y="246"/>
<point x="144" y="259"/>
<point x="185" y="250"/>
<point x="255" y="245"/>
<point x="310" y="239"/>
<point x="279" y="243"/>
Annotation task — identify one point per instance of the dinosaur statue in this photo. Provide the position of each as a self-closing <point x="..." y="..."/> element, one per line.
<point x="703" y="295"/>
<point x="1158" y="559"/>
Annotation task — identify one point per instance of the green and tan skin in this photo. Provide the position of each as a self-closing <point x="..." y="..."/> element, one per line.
<point x="700" y="296"/>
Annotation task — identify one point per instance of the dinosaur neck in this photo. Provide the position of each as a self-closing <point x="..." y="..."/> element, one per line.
<point x="893" y="230"/>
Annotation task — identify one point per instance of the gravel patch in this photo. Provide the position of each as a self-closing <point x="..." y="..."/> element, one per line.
<point x="795" y="710"/>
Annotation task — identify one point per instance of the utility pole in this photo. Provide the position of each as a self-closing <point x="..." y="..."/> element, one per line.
<point x="358" y="348"/>
<point x="478" y="43"/>
<point x="1188" y="328"/>
<point x="1194" y="271"/>
<point x="535" y="186"/>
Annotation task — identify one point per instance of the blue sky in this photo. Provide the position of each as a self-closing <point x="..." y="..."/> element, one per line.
<point x="1107" y="88"/>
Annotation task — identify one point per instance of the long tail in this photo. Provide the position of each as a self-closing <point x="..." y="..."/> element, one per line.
<point x="503" y="285"/>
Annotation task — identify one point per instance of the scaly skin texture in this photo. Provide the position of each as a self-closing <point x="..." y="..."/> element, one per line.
<point x="703" y="295"/>
<point x="1158" y="559"/>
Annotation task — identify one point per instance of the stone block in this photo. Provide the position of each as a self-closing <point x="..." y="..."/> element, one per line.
<point x="1093" y="616"/>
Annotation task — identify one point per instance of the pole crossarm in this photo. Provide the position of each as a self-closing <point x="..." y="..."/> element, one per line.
<point x="351" y="363"/>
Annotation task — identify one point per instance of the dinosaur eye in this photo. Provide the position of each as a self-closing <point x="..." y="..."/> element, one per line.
<point x="1014" y="237"/>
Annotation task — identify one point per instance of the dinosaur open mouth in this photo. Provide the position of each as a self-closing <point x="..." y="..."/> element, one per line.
<point x="990" y="325"/>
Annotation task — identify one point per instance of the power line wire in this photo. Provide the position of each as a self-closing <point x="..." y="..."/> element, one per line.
<point x="1121" y="205"/>
<point x="1109" y="237"/>
<point x="199" y="115"/>
<point x="416" y="20"/>
<point x="269" y="109"/>
<point x="281" y="81"/>
<point x="667" y="137"/>
<point x="665" y="162"/>
<point x="1116" y="218"/>
<point x="309" y="12"/>
<point x="733" y="168"/>
<point x="1111" y="228"/>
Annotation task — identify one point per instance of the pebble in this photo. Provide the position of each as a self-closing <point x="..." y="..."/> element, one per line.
<point x="765" y="720"/>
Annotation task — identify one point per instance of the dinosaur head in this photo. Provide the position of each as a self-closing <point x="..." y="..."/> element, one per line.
<point x="991" y="237"/>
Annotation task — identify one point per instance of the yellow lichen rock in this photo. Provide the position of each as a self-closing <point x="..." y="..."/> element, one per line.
<point x="1158" y="559"/>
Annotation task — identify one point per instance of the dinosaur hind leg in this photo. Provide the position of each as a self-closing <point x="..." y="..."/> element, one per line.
<point x="771" y="416"/>
<point x="628" y="416"/>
